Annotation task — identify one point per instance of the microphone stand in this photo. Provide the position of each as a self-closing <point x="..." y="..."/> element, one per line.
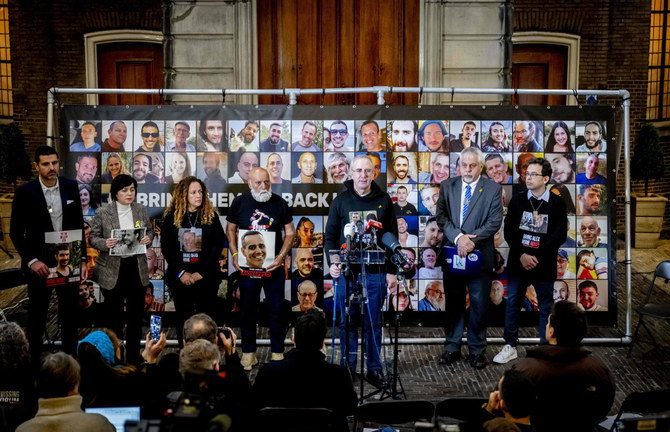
<point x="393" y="393"/>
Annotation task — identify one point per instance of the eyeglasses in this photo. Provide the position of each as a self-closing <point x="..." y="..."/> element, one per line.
<point x="367" y="171"/>
<point x="150" y="134"/>
<point x="533" y="174"/>
<point x="338" y="131"/>
<point x="307" y="294"/>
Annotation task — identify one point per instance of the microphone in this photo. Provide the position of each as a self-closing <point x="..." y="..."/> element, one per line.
<point x="391" y="242"/>
<point x="348" y="233"/>
<point x="373" y="224"/>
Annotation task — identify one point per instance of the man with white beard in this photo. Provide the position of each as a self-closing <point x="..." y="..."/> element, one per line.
<point x="338" y="168"/>
<point x="264" y="214"/>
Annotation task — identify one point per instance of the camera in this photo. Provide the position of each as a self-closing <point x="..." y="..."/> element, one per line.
<point x="225" y="330"/>
<point x="203" y="405"/>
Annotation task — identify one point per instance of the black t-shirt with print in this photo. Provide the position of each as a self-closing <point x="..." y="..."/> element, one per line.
<point x="271" y="216"/>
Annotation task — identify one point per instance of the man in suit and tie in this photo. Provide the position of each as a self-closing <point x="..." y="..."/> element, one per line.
<point x="48" y="203"/>
<point x="469" y="212"/>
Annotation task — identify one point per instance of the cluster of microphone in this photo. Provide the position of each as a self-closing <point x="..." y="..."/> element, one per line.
<point x="353" y="232"/>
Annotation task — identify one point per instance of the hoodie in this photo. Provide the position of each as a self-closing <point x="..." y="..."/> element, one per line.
<point x="349" y="201"/>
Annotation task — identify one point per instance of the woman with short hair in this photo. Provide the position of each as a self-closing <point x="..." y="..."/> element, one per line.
<point x="122" y="278"/>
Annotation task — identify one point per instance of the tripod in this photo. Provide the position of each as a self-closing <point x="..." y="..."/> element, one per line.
<point x="395" y="380"/>
<point x="400" y="263"/>
<point x="356" y="306"/>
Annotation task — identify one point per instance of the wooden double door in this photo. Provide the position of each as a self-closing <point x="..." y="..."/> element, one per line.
<point x="348" y="43"/>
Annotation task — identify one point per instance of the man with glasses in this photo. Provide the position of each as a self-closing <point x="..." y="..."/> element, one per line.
<point x="247" y="162"/>
<point x="535" y="228"/>
<point x="306" y="297"/>
<point x="362" y="196"/>
<point x="339" y="133"/>
<point x="524" y="138"/>
<point x="433" y="299"/>
<point x="181" y="132"/>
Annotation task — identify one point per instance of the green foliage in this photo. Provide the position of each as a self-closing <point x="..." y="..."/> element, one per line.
<point x="647" y="161"/>
<point x="14" y="160"/>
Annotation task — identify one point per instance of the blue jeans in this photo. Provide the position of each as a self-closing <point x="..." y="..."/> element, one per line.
<point x="372" y="314"/>
<point x="516" y="293"/>
<point x="479" y="289"/>
<point x="250" y="291"/>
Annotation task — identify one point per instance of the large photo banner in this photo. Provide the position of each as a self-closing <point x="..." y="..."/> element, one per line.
<point x="308" y="151"/>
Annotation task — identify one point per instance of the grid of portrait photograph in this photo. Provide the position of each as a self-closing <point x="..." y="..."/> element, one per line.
<point x="411" y="158"/>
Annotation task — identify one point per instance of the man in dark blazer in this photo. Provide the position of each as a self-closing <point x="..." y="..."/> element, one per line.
<point x="469" y="212"/>
<point x="48" y="203"/>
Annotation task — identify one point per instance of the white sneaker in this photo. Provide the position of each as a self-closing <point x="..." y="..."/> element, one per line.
<point x="248" y="361"/>
<point x="506" y="354"/>
<point x="277" y="356"/>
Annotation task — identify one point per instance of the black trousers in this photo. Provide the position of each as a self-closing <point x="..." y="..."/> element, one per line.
<point x="128" y="289"/>
<point x="39" y="295"/>
<point x="192" y="299"/>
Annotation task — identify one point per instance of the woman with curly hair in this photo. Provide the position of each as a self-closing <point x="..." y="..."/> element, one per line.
<point x="559" y="139"/>
<point x="19" y="402"/>
<point x="192" y="239"/>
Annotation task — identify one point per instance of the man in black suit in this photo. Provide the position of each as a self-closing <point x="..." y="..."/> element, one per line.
<point x="48" y="203"/>
<point x="469" y="212"/>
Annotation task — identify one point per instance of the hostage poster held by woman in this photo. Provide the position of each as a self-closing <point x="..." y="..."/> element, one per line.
<point x="63" y="248"/>
<point x="129" y="242"/>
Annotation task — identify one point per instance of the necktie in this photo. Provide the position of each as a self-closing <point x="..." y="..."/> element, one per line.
<point x="466" y="201"/>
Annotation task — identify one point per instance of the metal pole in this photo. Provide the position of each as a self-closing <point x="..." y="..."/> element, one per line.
<point x="50" y="118"/>
<point x="627" y="208"/>
<point x="380" y="91"/>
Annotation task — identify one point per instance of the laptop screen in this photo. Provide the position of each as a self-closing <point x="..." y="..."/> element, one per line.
<point x="117" y="416"/>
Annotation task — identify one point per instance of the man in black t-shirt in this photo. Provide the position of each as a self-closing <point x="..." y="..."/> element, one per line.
<point x="535" y="227"/>
<point x="401" y="207"/>
<point x="256" y="220"/>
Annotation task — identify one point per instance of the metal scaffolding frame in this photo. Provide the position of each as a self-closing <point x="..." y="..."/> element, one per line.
<point x="381" y="91"/>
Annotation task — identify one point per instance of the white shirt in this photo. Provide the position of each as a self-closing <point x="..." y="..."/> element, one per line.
<point x="543" y="197"/>
<point x="125" y="216"/>
<point x="426" y="273"/>
<point x="54" y="204"/>
<point x="412" y="241"/>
